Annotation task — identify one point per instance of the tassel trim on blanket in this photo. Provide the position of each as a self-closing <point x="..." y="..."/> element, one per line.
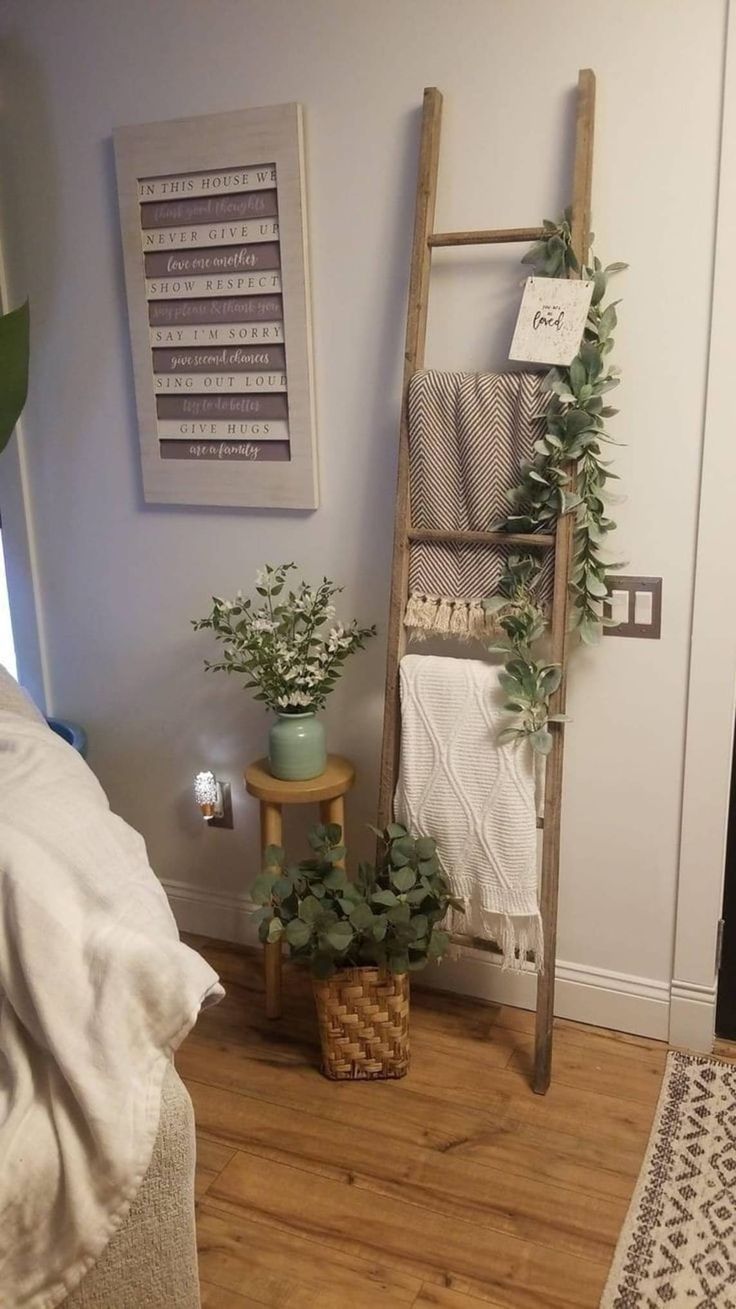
<point x="518" y="936"/>
<point x="426" y="615"/>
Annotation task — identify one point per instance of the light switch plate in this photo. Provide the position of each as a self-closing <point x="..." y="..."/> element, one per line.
<point x="630" y="586"/>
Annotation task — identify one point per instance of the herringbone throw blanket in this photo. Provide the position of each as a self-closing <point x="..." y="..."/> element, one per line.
<point x="474" y="797"/>
<point x="468" y="435"/>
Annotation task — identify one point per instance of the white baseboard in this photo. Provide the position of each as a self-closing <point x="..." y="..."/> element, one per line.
<point x="211" y="913"/>
<point x="587" y="995"/>
<point x="692" y="1015"/>
<point x="583" y="993"/>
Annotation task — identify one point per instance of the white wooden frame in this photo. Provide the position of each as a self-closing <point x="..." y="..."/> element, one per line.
<point x="190" y="145"/>
<point x="712" y="685"/>
<point x="18" y="547"/>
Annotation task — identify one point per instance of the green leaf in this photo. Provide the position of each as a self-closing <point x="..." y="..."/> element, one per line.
<point x="379" y="927"/>
<point x="541" y="740"/>
<point x="340" y="937"/>
<point x="425" y="847"/>
<point x="599" y="287"/>
<point x="594" y="586"/>
<point x="394" y="831"/>
<point x="262" y="888"/>
<point x="385" y="898"/>
<point x="399" y="963"/>
<point x="275" y="930"/>
<point x="577" y="375"/>
<point x="438" y="944"/>
<point x="298" y="932"/>
<point x="274" y="856"/>
<point x="508" y="735"/>
<point x="14" y="348"/>
<point x="403" y="878"/>
<point x="550" y="680"/>
<point x="417" y="895"/>
<point x="420" y="925"/>
<point x="361" y="917"/>
<point x="335" y="879"/>
<point x="590" y="632"/>
<point x="607" y="323"/>
<point x="310" y="908"/>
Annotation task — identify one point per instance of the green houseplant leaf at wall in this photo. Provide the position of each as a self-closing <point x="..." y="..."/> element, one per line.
<point x="14" y="350"/>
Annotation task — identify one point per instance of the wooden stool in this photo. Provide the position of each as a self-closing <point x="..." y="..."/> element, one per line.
<point x="328" y="791"/>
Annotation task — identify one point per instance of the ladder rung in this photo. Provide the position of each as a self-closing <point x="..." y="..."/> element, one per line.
<point x="497" y="236"/>
<point x="467" y="537"/>
<point x="483" y="943"/>
<point x="476" y="942"/>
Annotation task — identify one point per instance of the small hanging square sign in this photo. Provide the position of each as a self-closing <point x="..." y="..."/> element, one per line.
<point x="551" y="320"/>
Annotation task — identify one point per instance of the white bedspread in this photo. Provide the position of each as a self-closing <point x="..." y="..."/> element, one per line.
<point x="476" y="798"/>
<point x="96" y="991"/>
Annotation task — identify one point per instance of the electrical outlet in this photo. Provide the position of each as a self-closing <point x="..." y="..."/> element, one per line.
<point x="636" y="604"/>
<point x="225" y="819"/>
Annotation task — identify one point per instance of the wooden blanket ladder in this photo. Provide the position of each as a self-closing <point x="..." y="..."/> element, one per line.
<point x="424" y="242"/>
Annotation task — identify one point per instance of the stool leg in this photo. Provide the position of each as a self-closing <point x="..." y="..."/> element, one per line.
<point x="271" y="835"/>
<point x="333" y="811"/>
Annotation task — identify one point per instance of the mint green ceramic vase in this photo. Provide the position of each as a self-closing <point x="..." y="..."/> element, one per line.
<point x="296" y="747"/>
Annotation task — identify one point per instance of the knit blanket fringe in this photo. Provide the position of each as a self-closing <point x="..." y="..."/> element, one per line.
<point x="518" y="936"/>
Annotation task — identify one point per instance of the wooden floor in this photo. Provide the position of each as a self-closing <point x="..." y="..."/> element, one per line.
<point x="455" y="1188"/>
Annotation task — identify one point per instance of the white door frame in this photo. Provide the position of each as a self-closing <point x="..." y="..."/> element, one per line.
<point x="20" y="567"/>
<point x="20" y="556"/>
<point x="712" y="682"/>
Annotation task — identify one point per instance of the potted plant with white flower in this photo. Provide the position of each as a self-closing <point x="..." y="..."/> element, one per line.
<point x="291" y="650"/>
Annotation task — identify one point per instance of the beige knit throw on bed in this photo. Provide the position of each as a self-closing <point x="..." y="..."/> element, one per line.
<point x="468" y="435"/>
<point x="476" y="798"/>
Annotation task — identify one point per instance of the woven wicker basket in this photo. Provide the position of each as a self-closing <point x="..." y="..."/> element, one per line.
<point x="363" y="1023"/>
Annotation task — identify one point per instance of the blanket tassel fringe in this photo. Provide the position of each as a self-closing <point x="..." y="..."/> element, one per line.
<point x="517" y="935"/>
<point x="429" y="614"/>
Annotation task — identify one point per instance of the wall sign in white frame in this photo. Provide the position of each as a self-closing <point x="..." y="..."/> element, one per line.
<point x="214" y="231"/>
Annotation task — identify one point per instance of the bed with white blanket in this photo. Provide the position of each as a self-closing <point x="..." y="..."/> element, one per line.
<point x="96" y="992"/>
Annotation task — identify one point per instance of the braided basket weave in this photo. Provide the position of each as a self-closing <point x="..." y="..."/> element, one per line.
<point x="363" y="1023"/>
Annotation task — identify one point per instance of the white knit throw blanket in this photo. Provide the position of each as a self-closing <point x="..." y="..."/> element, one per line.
<point x="474" y="797"/>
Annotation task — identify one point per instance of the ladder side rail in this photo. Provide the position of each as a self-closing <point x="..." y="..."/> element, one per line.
<point x="416" y="332"/>
<point x="581" y="198"/>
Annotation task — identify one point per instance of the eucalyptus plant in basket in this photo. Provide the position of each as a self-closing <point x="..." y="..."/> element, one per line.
<point x="361" y="937"/>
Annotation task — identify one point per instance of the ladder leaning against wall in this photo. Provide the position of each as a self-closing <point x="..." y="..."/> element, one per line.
<point x="425" y="241"/>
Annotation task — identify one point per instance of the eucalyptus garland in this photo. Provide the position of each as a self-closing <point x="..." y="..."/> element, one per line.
<point x="567" y="474"/>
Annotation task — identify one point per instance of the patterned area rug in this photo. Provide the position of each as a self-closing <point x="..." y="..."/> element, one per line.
<point x="678" y="1244"/>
